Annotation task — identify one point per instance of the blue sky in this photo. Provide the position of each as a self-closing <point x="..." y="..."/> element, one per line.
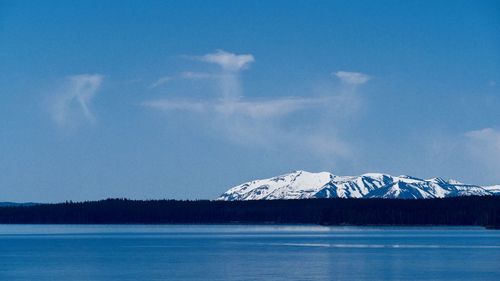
<point x="186" y="99"/>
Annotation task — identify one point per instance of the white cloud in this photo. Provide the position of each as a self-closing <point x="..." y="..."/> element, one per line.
<point x="181" y="105"/>
<point x="468" y="156"/>
<point x="484" y="145"/>
<point x="185" y="75"/>
<point x="195" y="75"/>
<point x="266" y="123"/>
<point x="228" y="61"/>
<point x="267" y="108"/>
<point x="474" y="155"/>
<point x="263" y="109"/>
<point x="482" y="149"/>
<point x="160" y="81"/>
<point x="352" y="78"/>
<point x="488" y="135"/>
<point x="75" y="98"/>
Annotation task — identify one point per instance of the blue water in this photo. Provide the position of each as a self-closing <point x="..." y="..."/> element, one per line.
<point x="140" y="252"/>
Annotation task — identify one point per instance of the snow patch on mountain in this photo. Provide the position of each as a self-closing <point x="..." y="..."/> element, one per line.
<point x="495" y="189"/>
<point x="302" y="185"/>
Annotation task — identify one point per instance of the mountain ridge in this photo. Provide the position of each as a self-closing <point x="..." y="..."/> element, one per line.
<point x="304" y="185"/>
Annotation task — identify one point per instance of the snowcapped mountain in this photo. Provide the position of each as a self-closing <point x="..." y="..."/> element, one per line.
<point x="302" y="185"/>
<point x="495" y="189"/>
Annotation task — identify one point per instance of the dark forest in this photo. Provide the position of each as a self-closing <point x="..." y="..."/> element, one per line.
<point x="473" y="210"/>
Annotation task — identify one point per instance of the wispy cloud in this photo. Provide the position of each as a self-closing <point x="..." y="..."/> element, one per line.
<point x="160" y="81"/>
<point x="267" y="108"/>
<point x="228" y="61"/>
<point x="185" y="75"/>
<point x="352" y="78"/>
<point x="475" y="153"/>
<point x="196" y="75"/>
<point x="484" y="145"/>
<point x="488" y="135"/>
<point x="255" y="109"/>
<point x="265" y="122"/>
<point x="75" y="97"/>
<point x="181" y="105"/>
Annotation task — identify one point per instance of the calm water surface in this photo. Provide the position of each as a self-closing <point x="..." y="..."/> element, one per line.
<point x="140" y="252"/>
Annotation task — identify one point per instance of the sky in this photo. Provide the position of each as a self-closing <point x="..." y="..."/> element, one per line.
<point x="185" y="99"/>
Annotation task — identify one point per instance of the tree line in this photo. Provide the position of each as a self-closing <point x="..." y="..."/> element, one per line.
<point x="473" y="210"/>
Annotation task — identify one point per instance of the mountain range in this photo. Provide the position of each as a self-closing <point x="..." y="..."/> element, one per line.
<point x="304" y="185"/>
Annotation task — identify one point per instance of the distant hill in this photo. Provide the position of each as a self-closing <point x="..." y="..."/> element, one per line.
<point x="14" y="204"/>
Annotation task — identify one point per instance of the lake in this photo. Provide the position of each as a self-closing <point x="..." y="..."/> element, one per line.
<point x="245" y="252"/>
